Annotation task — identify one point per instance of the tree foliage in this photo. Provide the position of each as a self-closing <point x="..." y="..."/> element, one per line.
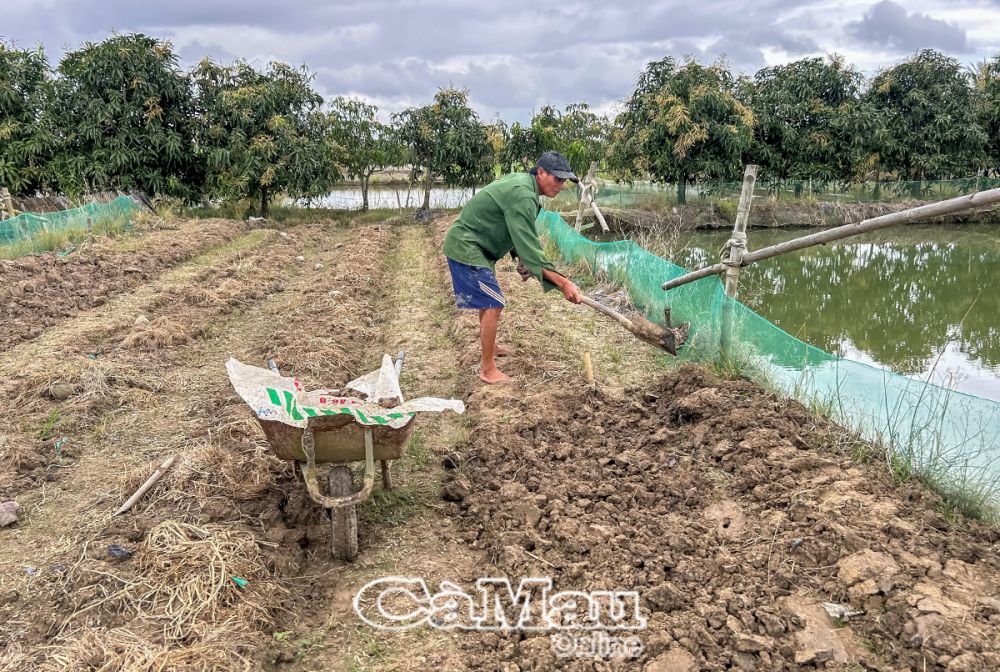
<point x="125" y="119"/>
<point x="929" y="115"/>
<point x="578" y="133"/>
<point x="262" y="133"/>
<point x="522" y="148"/>
<point x="363" y="144"/>
<point x="682" y="122"/>
<point x="446" y="140"/>
<point x="987" y="86"/>
<point x="26" y="145"/>
<point x="806" y="118"/>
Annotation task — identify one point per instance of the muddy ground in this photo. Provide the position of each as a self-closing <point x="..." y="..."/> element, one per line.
<point x="733" y="514"/>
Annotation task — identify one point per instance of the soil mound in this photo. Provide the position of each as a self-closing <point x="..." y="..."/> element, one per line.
<point x="736" y="515"/>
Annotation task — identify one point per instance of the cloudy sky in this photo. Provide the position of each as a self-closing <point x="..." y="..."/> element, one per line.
<point x="513" y="55"/>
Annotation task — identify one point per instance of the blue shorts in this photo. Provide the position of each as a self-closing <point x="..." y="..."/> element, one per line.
<point x="476" y="288"/>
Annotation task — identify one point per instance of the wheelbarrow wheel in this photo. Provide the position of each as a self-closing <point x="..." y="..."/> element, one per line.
<point x="345" y="518"/>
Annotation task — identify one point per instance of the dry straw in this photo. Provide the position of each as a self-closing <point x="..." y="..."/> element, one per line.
<point x="122" y="649"/>
<point x="210" y="478"/>
<point x="186" y="578"/>
<point x="159" y="333"/>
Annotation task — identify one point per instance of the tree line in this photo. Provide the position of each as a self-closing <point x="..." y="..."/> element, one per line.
<point x="121" y="115"/>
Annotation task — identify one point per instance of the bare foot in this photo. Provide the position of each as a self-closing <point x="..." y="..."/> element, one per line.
<point x="493" y="375"/>
<point x="501" y="351"/>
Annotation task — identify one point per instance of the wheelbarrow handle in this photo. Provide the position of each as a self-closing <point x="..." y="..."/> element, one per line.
<point x="312" y="485"/>
<point x="309" y="473"/>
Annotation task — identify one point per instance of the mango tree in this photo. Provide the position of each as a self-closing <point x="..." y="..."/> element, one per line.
<point x="521" y="149"/>
<point x="988" y="110"/>
<point x="26" y="144"/>
<point x="682" y="122"/>
<point x="125" y="118"/>
<point x="363" y="144"/>
<point x="805" y="116"/>
<point x="262" y="133"/>
<point x="579" y="134"/>
<point x="930" y="115"/>
<point x="446" y="140"/>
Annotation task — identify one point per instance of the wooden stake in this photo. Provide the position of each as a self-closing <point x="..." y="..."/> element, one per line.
<point x="588" y="369"/>
<point x="600" y="217"/>
<point x="150" y="482"/>
<point x="586" y="194"/>
<point x="737" y="248"/>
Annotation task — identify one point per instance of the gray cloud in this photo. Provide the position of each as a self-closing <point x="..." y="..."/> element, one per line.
<point x="514" y="56"/>
<point x="888" y="26"/>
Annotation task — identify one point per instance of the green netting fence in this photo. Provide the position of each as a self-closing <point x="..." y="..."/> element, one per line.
<point x="946" y="436"/>
<point x="26" y="229"/>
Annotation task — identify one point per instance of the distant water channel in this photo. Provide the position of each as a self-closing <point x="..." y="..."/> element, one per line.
<point x="349" y="198"/>
<point x="922" y="301"/>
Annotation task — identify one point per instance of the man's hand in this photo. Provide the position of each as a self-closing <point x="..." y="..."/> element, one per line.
<point x="523" y="271"/>
<point x="571" y="291"/>
<point x="565" y="285"/>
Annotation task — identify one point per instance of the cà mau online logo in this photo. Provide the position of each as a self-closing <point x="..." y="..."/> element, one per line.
<point x="398" y="603"/>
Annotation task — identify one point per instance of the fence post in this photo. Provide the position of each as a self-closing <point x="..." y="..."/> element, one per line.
<point x="736" y="247"/>
<point x="587" y="188"/>
<point x="8" y="204"/>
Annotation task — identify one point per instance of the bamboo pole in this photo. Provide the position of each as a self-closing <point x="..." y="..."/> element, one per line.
<point x="150" y="482"/>
<point x="600" y="217"/>
<point x="981" y="199"/>
<point x="738" y="243"/>
<point x="8" y="204"/>
<point x="737" y="248"/>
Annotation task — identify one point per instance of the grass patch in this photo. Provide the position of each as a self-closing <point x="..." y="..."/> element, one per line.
<point x="965" y="489"/>
<point x="48" y="428"/>
<point x="394" y="507"/>
<point x="65" y="239"/>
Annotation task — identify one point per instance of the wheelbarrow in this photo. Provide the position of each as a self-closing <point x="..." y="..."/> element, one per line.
<point x="339" y="441"/>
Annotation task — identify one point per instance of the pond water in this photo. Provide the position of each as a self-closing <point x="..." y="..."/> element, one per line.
<point x="922" y="301"/>
<point x="349" y="198"/>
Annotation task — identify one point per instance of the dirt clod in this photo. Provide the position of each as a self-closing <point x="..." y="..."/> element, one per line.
<point x="8" y="513"/>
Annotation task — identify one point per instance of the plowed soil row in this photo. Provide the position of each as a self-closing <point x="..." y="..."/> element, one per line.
<point x="68" y="602"/>
<point x="106" y="360"/>
<point x="40" y="291"/>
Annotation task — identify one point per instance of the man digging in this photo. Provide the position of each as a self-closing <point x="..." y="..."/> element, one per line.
<point x="499" y="220"/>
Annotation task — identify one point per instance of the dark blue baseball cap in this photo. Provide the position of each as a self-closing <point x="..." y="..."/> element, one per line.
<point x="556" y="164"/>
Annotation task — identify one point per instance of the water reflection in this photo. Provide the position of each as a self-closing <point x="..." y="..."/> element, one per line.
<point x="914" y="300"/>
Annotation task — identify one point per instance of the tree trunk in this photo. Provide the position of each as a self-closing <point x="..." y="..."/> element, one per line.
<point x="427" y="189"/>
<point x="682" y="190"/>
<point x="364" y="192"/>
<point x="263" y="203"/>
